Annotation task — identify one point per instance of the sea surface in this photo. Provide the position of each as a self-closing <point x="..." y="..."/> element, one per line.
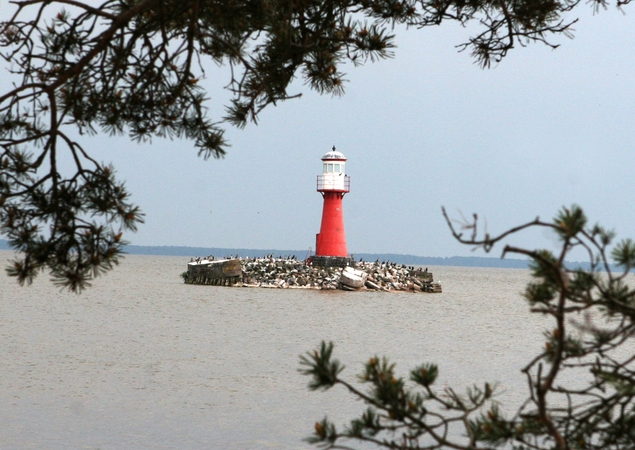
<point x="142" y="361"/>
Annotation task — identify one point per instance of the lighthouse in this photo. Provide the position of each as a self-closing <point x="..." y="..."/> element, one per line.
<point x="333" y="184"/>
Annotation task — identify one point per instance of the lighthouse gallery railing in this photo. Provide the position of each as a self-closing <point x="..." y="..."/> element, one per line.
<point x="341" y="183"/>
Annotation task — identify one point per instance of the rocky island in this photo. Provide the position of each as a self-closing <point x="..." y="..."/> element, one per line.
<point x="289" y="272"/>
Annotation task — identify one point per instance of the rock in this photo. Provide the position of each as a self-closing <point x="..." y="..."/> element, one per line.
<point x="288" y="272"/>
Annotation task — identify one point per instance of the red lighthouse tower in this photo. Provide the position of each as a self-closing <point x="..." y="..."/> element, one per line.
<point x="332" y="184"/>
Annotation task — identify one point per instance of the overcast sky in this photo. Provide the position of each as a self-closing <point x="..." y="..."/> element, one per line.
<point x="544" y="128"/>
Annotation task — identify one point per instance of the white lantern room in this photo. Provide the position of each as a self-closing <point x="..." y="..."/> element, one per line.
<point x="334" y="176"/>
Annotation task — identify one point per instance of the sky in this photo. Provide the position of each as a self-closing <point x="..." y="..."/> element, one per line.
<point x="428" y="128"/>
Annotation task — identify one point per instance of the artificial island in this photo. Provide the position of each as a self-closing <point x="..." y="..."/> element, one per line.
<point x="331" y="267"/>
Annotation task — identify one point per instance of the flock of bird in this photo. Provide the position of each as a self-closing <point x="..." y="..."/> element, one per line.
<point x="289" y="272"/>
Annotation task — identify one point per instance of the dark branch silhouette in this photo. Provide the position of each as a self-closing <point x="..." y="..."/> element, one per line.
<point x="595" y="411"/>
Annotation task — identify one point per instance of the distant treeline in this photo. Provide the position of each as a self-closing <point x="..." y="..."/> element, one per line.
<point x="465" y="261"/>
<point x="468" y="261"/>
<point x="462" y="261"/>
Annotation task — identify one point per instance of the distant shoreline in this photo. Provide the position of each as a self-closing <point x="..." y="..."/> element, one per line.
<point x="465" y="261"/>
<point x="469" y="261"/>
<point x="462" y="261"/>
<point x="455" y="261"/>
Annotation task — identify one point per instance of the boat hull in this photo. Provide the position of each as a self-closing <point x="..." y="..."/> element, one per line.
<point x="353" y="278"/>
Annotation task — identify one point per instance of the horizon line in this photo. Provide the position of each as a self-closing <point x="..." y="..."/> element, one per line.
<point x="399" y="258"/>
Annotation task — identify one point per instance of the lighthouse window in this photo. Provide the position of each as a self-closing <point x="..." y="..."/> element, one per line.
<point x="337" y="168"/>
<point x="325" y="167"/>
<point x="330" y="168"/>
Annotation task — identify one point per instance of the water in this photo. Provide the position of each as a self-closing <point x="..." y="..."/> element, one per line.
<point x="141" y="360"/>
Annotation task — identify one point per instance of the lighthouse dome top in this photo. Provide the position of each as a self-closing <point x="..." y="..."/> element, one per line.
<point x="334" y="155"/>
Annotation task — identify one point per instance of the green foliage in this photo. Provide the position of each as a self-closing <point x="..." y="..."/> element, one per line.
<point x="325" y="433"/>
<point x="492" y="428"/>
<point x="590" y="343"/>
<point x="397" y="416"/>
<point x="425" y="375"/>
<point x="570" y="221"/>
<point x="545" y="267"/>
<point x="320" y="367"/>
<point x="624" y="254"/>
<point x="540" y="293"/>
<point x="57" y="227"/>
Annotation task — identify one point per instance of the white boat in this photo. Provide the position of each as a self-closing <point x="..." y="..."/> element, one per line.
<point x="352" y="278"/>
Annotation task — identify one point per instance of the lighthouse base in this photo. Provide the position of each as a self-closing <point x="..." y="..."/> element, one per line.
<point x="332" y="261"/>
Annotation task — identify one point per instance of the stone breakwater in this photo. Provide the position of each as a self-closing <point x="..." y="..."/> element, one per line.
<point x="288" y="272"/>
